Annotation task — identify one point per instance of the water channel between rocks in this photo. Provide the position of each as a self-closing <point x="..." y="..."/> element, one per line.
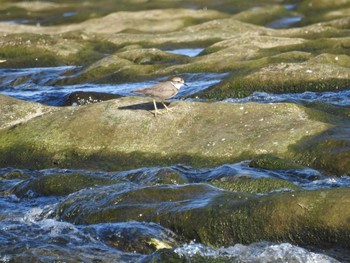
<point x="36" y="87"/>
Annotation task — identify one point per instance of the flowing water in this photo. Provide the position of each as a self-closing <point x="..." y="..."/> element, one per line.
<point x="36" y="85"/>
<point x="28" y="231"/>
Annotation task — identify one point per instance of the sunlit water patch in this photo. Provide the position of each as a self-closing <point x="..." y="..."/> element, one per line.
<point x="340" y="98"/>
<point x="13" y="22"/>
<point x="49" y="240"/>
<point x="290" y="7"/>
<point x="190" y="52"/>
<point x="32" y="76"/>
<point x="68" y="14"/>
<point x="285" y="22"/>
<point x="256" y="252"/>
<point x="305" y="178"/>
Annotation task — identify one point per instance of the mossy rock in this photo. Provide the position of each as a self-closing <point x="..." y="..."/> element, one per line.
<point x="220" y="218"/>
<point x="168" y="176"/>
<point x="58" y="184"/>
<point x="151" y="56"/>
<point x="136" y="237"/>
<point x="334" y="142"/>
<point x="337" y="115"/>
<point x="282" y="78"/>
<point x="14" y="111"/>
<point x="13" y="175"/>
<point x="252" y="185"/>
<point x="28" y="58"/>
<point x="273" y="163"/>
<point x="123" y="134"/>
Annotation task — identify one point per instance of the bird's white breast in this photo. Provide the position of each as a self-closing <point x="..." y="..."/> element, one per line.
<point x="176" y="85"/>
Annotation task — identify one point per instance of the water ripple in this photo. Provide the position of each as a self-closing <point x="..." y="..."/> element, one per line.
<point x="340" y="98"/>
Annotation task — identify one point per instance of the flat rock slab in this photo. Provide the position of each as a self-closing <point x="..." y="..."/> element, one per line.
<point x="124" y="134"/>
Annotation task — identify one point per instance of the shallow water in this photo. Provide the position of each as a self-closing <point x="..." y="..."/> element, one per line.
<point x="190" y="52"/>
<point x="256" y="252"/>
<point x="35" y="84"/>
<point x="285" y="22"/>
<point x="339" y="98"/>
<point x="29" y="231"/>
<point x="306" y="179"/>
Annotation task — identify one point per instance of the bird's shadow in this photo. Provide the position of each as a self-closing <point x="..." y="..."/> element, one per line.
<point x="148" y="106"/>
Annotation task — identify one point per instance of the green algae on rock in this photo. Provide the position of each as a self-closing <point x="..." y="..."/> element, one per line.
<point x="221" y="218"/>
<point x="122" y="134"/>
<point x="15" y="111"/>
<point x="58" y="184"/>
<point x="266" y="161"/>
<point x="252" y="185"/>
<point x="137" y="237"/>
<point x="329" y="151"/>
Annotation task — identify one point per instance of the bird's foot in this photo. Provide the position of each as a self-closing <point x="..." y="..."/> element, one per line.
<point x="167" y="109"/>
<point x="156" y="112"/>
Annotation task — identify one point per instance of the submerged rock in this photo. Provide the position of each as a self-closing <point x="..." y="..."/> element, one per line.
<point x="135" y="237"/>
<point x="57" y="184"/>
<point x="153" y="176"/>
<point x="219" y="218"/>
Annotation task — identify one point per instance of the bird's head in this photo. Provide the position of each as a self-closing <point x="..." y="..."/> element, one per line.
<point x="178" y="82"/>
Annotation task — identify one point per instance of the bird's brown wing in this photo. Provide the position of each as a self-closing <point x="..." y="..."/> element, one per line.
<point x="163" y="90"/>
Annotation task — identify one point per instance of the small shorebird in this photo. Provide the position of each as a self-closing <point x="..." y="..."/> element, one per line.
<point x="162" y="91"/>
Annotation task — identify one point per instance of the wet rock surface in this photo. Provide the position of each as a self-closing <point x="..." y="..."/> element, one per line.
<point x="212" y="181"/>
<point x="222" y="218"/>
<point x="123" y="134"/>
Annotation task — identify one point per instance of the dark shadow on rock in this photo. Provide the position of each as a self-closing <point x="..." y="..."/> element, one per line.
<point x="144" y="106"/>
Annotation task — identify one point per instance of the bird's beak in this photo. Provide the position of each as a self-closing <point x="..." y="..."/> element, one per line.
<point x="185" y="84"/>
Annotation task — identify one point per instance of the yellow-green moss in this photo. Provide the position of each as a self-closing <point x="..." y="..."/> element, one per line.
<point x="252" y="185"/>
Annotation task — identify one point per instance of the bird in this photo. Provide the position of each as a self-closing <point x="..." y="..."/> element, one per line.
<point x="163" y="90"/>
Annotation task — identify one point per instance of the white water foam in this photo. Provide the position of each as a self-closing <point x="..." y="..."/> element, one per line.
<point x="262" y="252"/>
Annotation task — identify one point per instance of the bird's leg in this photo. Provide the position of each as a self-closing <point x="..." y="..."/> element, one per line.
<point x="167" y="109"/>
<point x="155" y="108"/>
